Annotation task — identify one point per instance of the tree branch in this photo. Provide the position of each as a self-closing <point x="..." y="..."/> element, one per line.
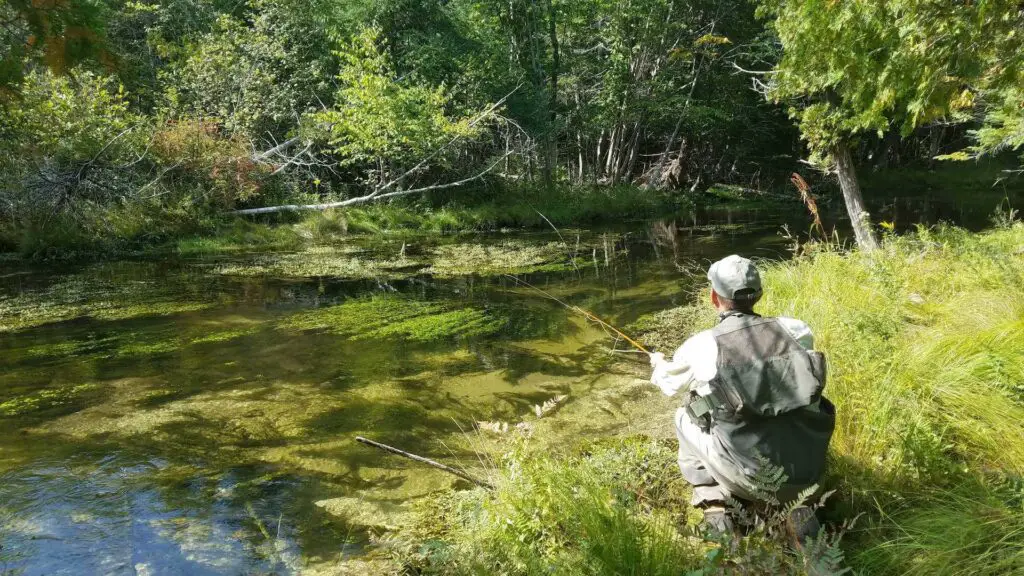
<point x="376" y="195"/>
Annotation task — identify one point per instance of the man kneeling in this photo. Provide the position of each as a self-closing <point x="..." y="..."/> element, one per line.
<point x="752" y="394"/>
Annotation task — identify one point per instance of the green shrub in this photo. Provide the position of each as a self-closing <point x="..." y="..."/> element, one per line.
<point x="597" y="513"/>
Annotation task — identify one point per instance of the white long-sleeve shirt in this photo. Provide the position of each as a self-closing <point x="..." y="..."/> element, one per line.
<point x="695" y="363"/>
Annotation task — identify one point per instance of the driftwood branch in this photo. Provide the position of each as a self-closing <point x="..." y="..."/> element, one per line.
<point x="423" y="460"/>
<point x="369" y="197"/>
<point x="263" y="156"/>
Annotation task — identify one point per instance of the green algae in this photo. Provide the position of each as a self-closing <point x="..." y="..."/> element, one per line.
<point x="224" y="335"/>
<point x="92" y="293"/>
<point x="137" y="343"/>
<point x="319" y="261"/>
<point x="142" y="344"/>
<point x="384" y="317"/>
<point x="420" y="255"/>
<point x="113" y="311"/>
<point x="511" y="257"/>
<point x="666" y="330"/>
<point x="136" y="348"/>
<point x="64" y="349"/>
<point x="443" y="261"/>
<point x="45" y="399"/>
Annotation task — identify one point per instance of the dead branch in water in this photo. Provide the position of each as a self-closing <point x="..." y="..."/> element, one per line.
<point x="426" y="461"/>
<point x="381" y="192"/>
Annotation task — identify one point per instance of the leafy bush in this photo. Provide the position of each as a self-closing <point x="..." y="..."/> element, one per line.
<point x="379" y="119"/>
<point x="72" y="118"/>
<point x="257" y="75"/>
<point x="65" y="142"/>
<point x="217" y="167"/>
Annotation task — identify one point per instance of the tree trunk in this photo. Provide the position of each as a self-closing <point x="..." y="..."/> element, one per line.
<point x="656" y="181"/>
<point x="613" y="139"/>
<point x="552" y="137"/>
<point x="859" y="217"/>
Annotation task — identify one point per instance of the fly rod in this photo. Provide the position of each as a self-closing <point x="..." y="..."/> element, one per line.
<point x="423" y="460"/>
<point x="585" y="313"/>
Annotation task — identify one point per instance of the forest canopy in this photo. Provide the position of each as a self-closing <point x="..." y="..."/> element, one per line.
<point x="117" y="113"/>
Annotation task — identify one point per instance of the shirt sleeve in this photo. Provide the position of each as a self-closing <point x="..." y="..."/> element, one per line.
<point x="694" y="362"/>
<point x="799" y="330"/>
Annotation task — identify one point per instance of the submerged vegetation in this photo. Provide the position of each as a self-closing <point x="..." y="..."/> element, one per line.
<point x="924" y="339"/>
<point x="506" y="258"/>
<point x="93" y="294"/>
<point x="393" y="316"/>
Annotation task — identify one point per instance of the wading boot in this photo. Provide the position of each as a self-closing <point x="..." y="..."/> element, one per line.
<point x="802" y="524"/>
<point x="717" y="522"/>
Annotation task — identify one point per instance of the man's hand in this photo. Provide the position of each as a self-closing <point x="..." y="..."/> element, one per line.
<point x="657" y="358"/>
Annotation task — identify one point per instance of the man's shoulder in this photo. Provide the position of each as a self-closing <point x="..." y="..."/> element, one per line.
<point x="798" y="329"/>
<point x="786" y="322"/>
<point x="700" y="337"/>
<point x="698" y="345"/>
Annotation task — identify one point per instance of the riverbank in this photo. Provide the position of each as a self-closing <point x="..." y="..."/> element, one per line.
<point x="925" y="339"/>
<point x="137" y="230"/>
<point x="961" y="193"/>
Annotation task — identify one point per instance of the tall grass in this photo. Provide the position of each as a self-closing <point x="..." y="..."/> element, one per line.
<point x="925" y="340"/>
<point x="619" y="507"/>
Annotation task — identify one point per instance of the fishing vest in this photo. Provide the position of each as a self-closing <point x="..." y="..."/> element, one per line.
<point x="766" y="399"/>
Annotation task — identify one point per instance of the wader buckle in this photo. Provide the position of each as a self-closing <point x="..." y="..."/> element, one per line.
<point x="699" y="408"/>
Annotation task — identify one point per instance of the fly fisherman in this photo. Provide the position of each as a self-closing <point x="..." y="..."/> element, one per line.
<point x="751" y="391"/>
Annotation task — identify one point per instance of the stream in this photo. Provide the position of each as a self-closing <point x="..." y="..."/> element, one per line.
<point x="197" y="415"/>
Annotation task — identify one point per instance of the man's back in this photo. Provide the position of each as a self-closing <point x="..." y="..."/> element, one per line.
<point x="766" y="401"/>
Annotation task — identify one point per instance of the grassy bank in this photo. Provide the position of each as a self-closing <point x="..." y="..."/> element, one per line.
<point x="926" y="345"/>
<point x="188" y="229"/>
<point x="518" y="209"/>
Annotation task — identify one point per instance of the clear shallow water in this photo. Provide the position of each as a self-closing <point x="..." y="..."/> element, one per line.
<point x="166" y="418"/>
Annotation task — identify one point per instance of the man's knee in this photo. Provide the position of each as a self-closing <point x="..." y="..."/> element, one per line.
<point x="695" y="472"/>
<point x="703" y="464"/>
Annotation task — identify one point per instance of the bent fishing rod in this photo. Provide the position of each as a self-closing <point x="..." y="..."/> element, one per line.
<point x="582" y="312"/>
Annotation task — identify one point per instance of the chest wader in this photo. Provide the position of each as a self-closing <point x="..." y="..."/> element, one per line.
<point x="766" y="400"/>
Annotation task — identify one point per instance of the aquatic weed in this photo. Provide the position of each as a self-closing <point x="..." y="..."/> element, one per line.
<point x="398" y="317"/>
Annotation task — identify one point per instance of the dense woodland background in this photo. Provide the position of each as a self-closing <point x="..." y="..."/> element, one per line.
<point x="141" y="119"/>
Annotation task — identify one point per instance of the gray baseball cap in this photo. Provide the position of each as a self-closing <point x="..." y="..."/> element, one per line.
<point x="735" y="278"/>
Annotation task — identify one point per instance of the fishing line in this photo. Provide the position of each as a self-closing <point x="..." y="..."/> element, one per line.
<point x="585" y="313"/>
